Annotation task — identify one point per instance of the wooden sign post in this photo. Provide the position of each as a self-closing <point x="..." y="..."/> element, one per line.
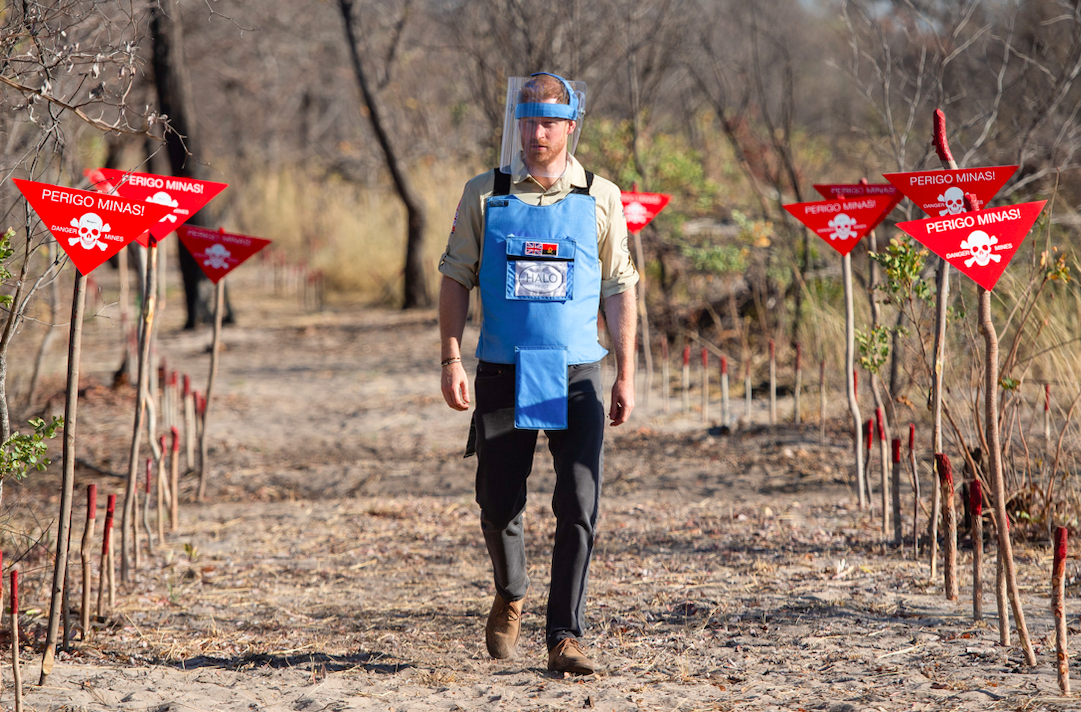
<point x="217" y="253"/>
<point x="91" y="228"/>
<point x="980" y="243"/>
<point x="841" y="224"/>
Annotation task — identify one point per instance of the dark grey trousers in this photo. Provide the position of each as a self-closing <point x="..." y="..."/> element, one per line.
<point x="504" y="461"/>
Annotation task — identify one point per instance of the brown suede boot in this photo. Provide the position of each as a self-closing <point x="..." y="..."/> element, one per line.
<point x="567" y="656"/>
<point x="504" y="627"/>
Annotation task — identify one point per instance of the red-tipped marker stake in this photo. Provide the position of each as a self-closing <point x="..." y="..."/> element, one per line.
<point x="822" y="400"/>
<point x="915" y="491"/>
<point x="869" y="438"/>
<point x="687" y="378"/>
<point x="106" y="578"/>
<point x="146" y="506"/>
<point x="724" y="391"/>
<point x="162" y="490"/>
<point x="665" y="373"/>
<point x="748" y="392"/>
<point x="174" y="482"/>
<point x="16" y="667"/>
<point x="885" y="468"/>
<point x="896" y="492"/>
<point x="705" y="385"/>
<point x="1058" y="608"/>
<point x="84" y="556"/>
<point x="949" y="521"/>
<point x="772" y="383"/>
<point x="975" y="505"/>
<point x="1047" y="412"/>
<point x="189" y="425"/>
<point x="799" y="386"/>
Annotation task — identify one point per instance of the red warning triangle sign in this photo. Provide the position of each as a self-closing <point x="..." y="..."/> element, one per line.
<point x="941" y="193"/>
<point x="843" y="223"/>
<point x="980" y="243"/>
<point x="641" y="208"/>
<point x="836" y="191"/>
<point x="218" y="252"/>
<point x="186" y="196"/>
<point x="90" y="226"/>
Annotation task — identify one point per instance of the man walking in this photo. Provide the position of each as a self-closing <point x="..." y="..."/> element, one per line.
<point x="545" y="241"/>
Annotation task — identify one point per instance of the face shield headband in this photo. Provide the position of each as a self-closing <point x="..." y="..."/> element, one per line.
<point x="547" y="110"/>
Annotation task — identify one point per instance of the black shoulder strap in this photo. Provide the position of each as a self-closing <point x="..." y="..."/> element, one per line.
<point x="502" y="183"/>
<point x="589" y="184"/>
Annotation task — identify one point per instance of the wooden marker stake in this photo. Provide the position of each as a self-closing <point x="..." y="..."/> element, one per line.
<point x="799" y="386"/>
<point x="705" y="385"/>
<point x="895" y="490"/>
<point x="146" y="506"/>
<point x="850" y="371"/>
<point x="942" y="295"/>
<point x="1047" y="412"/>
<point x="869" y="433"/>
<point x="949" y="521"/>
<point x="1058" y="608"/>
<point x="163" y="484"/>
<point x="724" y="391"/>
<point x="665" y="375"/>
<point x="994" y="445"/>
<point x="772" y="383"/>
<point x="174" y="482"/>
<point x="748" y="392"/>
<point x="1002" y="602"/>
<point x="71" y="404"/>
<point x="822" y="400"/>
<point x="215" y="349"/>
<point x="975" y="506"/>
<point x="915" y="491"/>
<point x="129" y="554"/>
<point x="883" y="459"/>
<point x="16" y="668"/>
<point x="189" y="425"/>
<point x="687" y="379"/>
<point x="84" y="555"/>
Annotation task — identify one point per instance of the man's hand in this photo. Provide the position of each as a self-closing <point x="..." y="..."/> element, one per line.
<point x="455" y="386"/>
<point x="622" y="401"/>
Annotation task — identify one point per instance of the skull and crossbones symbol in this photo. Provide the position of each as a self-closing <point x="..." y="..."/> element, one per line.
<point x="90" y="227"/>
<point x="979" y="243"/>
<point x="217" y="257"/>
<point x="842" y="225"/>
<point x="162" y="198"/>
<point x="954" y="198"/>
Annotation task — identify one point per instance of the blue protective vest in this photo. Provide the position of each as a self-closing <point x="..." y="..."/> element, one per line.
<point x="540" y="287"/>
<point x="540" y="277"/>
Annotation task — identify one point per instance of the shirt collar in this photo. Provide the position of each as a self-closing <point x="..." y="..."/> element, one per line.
<point x="575" y="174"/>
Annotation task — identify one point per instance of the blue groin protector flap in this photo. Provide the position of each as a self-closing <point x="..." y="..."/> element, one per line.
<point x="540" y="388"/>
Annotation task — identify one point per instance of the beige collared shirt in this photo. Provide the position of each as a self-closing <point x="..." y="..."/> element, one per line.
<point x="461" y="261"/>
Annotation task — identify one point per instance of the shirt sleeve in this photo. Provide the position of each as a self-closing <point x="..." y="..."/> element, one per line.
<point x="617" y="270"/>
<point x="461" y="259"/>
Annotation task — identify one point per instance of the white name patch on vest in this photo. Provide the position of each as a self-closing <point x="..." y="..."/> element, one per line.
<point x="540" y="279"/>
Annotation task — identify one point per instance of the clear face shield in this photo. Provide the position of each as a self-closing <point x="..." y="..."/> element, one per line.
<point x="543" y="121"/>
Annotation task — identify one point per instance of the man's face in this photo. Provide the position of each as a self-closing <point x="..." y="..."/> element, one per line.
<point x="544" y="140"/>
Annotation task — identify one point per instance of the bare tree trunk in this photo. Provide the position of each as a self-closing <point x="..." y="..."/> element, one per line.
<point x="71" y="404"/>
<point x="998" y="481"/>
<point x="174" y="99"/>
<point x="416" y="294"/>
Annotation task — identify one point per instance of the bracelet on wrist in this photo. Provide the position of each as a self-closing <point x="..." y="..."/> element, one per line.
<point x="449" y="361"/>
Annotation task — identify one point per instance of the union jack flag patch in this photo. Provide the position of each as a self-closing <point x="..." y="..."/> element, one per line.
<point x="533" y="248"/>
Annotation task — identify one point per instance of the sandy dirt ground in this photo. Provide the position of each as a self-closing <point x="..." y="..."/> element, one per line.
<point x="338" y="564"/>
